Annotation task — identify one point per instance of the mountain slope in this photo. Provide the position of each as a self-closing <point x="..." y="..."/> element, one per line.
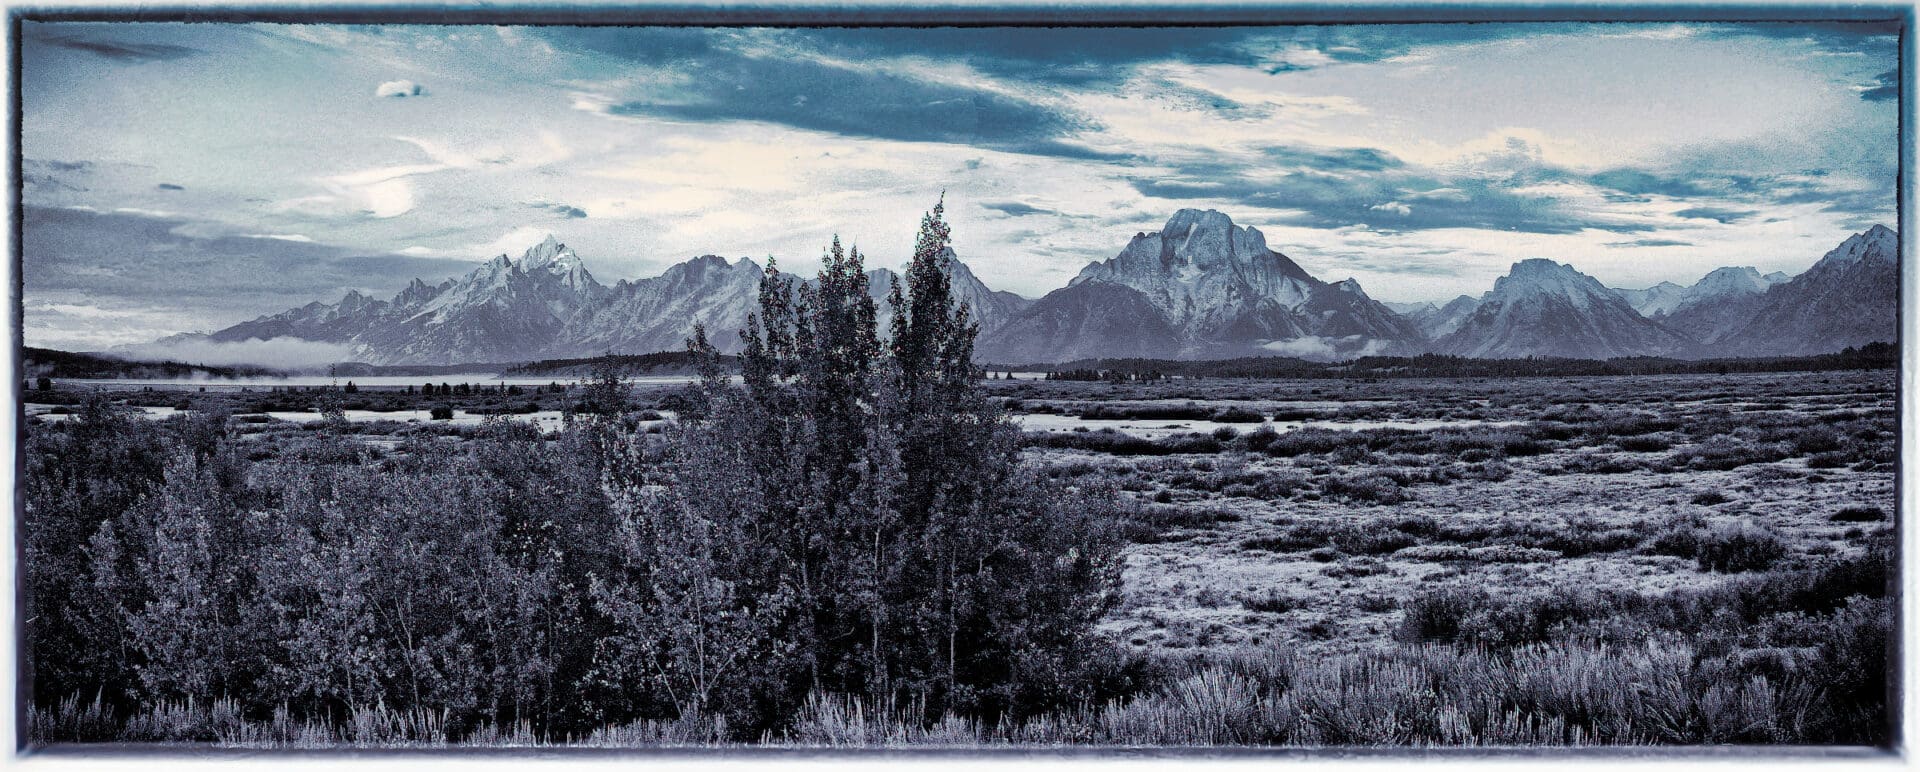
<point x="989" y="308"/>
<point x="1719" y="302"/>
<point x="546" y="305"/>
<point x="1215" y="287"/>
<point x="658" y="313"/>
<point x="1543" y="308"/>
<point x="1082" y="321"/>
<point x="1438" y="322"/>
<point x="1656" y="300"/>
<point x="1849" y="298"/>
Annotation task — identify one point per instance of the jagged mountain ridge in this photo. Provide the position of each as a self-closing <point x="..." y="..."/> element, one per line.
<point x="547" y="305"/>
<point x="1668" y="299"/>
<point x="1199" y="287"/>
<point x="1438" y="322"/>
<point x="1544" y="308"/>
<point x="1849" y="298"/>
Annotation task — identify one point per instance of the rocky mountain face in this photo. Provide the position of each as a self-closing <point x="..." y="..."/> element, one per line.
<point x="989" y="308"/>
<point x="1199" y="287"/>
<point x="490" y="315"/>
<point x="1666" y="298"/>
<point x="1656" y="300"/>
<point x="1541" y="308"/>
<point x="658" y="313"/>
<point x="1849" y="298"/>
<point x="1544" y="308"/>
<point x="1440" y="321"/>
<point x="1721" y="300"/>
<point x="546" y="305"/>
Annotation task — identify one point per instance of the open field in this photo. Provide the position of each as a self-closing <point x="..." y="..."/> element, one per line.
<point x="1317" y="536"/>
<point x="1316" y="508"/>
<point x="1709" y="529"/>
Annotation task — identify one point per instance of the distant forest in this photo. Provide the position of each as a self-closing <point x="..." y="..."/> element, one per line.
<point x="51" y="363"/>
<point x="1873" y="356"/>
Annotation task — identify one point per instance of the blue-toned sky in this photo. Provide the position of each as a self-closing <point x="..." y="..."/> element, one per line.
<point x="183" y="177"/>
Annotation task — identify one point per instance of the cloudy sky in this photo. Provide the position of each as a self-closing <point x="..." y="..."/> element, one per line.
<point x="184" y="177"/>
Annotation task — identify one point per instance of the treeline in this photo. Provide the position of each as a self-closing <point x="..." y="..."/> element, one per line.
<point x="1872" y="356"/>
<point x="851" y="522"/>
<point x="663" y="363"/>
<point x="52" y="363"/>
<point x="1109" y="376"/>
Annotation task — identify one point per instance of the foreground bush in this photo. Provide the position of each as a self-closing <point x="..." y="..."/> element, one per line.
<point x="1662" y="692"/>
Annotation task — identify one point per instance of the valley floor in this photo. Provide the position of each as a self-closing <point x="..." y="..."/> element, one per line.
<point x="1284" y="526"/>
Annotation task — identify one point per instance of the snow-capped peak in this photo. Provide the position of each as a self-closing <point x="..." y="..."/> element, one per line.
<point x="1729" y="280"/>
<point x="1877" y="243"/>
<point x="1540" y="276"/>
<point x="551" y="255"/>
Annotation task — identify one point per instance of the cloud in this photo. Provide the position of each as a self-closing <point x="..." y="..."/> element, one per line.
<point x="285" y="353"/>
<point x="1015" y="208"/>
<point x="1885" y="87"/>
<point x="169" y="186"/>
<point x="784" y="79"/>
<point x="514" y="243"/>
<point x="1308" y="347"/>
<point x="1331" y="188"/>
<point x="568" y="211"/>
<point x="53" y="177"/>
<point x="1325" y="349"/>
<point x="1649" y="243"/>
<point x="399" y="88"/>
<point x="124" y="260"/>
<point x="1716" y="214"/>
<point x="120" y="50"/>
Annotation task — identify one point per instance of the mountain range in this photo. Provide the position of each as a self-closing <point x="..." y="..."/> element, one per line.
<point x="1201" y="287"/>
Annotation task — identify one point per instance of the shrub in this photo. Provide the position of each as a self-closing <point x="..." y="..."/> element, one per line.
<point x="1721" y="453"/>
<point x="1369" y="488"/>
<point x="1272" y="602"/>
<point x="1817" y="439"/>
<point x="1371" y="541"/>
<point x="1237" y="415"/>
<point x="441" y="413"/>
<point x="1680" y="538"/>
<point x="1737" y="548"/>
<point x="1525" y="446"/>
<point x="1644" y="443"/>
<point x="1858" y="515"/>
<point x="1829" y="460"/>
<point x="1710" y="498"/>
<point x="1257" y="440"/>
<point x="1434" y="615"/>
